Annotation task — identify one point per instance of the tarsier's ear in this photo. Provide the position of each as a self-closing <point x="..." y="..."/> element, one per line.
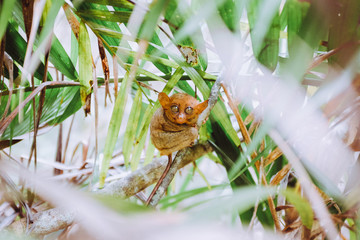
<point x="164" y="100"/>
<point x="201" y="106"/>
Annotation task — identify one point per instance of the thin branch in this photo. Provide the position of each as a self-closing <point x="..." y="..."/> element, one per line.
<point x="52" y="220"/>
<point x="6" y="122"/>
<point x="116" y="80"/>
<point x="321" y="58"/>
<point x="142" y="178"/>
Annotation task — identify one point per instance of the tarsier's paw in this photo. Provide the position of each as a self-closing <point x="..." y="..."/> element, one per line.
<point x="205" y="120"/>
<point x="194" y="142"/>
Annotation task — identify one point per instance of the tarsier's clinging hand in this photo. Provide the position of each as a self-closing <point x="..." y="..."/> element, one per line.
<point x="173" y="126"/>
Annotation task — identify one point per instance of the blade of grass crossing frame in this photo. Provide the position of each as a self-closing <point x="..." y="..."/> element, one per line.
<point x="108" y="41"/>
<point x="105" y="15"/>
<point x="174" y="199"/>
<point x="230" y="11"/>
<point x="149" y="155"/>
<point x="256" y="140"/>
<point x="74" y="49"/>
<point x="163" y="68"/>
<point x="5" y="14"/>
<point x="265" y="37"/>
<point x="241" y="162"/>
<point x="124" y="4"/>
<point x="302" y="206"/>
<point x="85" y="63"/>
<point x="114" y="128"/>
<point x="61" y="61"/>
<point x="296" y="13"/>
<point x="139" y="146"/>
<point x="131" y="127"/>
<point x="155" y="57"/>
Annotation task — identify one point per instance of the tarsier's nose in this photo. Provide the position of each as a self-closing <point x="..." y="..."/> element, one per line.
<point x="181" y="119"/>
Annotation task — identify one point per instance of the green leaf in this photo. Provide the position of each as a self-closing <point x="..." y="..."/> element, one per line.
<point x="296" y="12"/>
<point x="5" y="14"/>
<point x="305" y="40"/>
<point x="220" y="115"/>
<point x="61" y="60"/>
<point x="74" y="49"/>
<point x="240" y="201"/>
<point x="155" y="58"/>
<point x="132" y="124"/>
<point x="114" y="128"/>
<point x="149" y="155"/>
<point x="105" y="15"/>
<point x="175" y="199"/>
<point x="230" y="11"/>
<point x="264" y="21"/>
<point x="70" y="103"/>
<point x="85" y="63"/>
<point x="108" y="41"/>
<point x="139" y="146"/>
<point x="344" y="29"/>
<point x="123" y="4"/>
<point x="121" y="206"/>
<point x="302" y="206"/>
<point x="152" y="50"/>
<point x="60" y="103"/>
<point x="16" y="48"/>
<point x="235" y="171"/>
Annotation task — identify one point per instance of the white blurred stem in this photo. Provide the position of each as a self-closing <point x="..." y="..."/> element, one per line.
<point x="312" y="194"/>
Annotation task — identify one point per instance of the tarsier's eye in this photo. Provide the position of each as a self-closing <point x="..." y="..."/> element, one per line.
<point x="189" y="110"/>
<point x="175" y="109"/>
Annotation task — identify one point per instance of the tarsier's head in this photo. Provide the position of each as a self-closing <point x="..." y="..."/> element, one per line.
<point x="181" y="108"/>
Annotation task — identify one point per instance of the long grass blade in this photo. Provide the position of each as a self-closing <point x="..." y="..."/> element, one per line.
<point x="132" y="124"/>
<point x="85" y="67"/>
<point x="5" y="14"/>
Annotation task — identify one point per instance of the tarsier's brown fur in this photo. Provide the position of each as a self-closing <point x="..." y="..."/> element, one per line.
<point x="173" y="126"/>
<point x="171" y="131"/>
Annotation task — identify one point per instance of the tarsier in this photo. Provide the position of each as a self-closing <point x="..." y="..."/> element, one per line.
<point x="173" y="126"/>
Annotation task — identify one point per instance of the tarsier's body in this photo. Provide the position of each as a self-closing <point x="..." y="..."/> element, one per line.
<point x="173" y="126"/>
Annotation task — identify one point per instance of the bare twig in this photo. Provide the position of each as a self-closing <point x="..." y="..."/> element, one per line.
<point x="241" y="123"/>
